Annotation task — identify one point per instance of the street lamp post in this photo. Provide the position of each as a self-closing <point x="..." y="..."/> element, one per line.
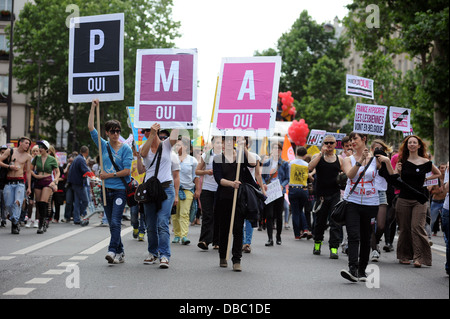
<point x="11" y="56"/>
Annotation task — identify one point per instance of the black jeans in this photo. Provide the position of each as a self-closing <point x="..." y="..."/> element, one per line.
<point x="207" y="199"/>
<point x="357" y="222"/>
<point x="274" y="210"/>
<point x="323" y="216"/>
<point x="224" y="208"/>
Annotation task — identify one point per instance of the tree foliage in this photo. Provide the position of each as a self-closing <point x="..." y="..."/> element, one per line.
<point x="312" y="69"/>
<point x="41" y="33"/>
<point x="419" y="29"/>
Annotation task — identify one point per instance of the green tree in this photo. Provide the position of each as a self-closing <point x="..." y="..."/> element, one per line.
<point x="312" y="69"/>
<point x="41" y="34"/>
<point x="325" y="104"/>
<point x="420" y="29"/>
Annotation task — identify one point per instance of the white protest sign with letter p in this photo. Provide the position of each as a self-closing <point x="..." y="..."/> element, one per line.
<point x="96" y="58"/>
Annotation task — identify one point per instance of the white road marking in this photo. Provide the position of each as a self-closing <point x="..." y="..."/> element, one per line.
<point x="7" y="257"/>
<point x="19" y="291"/>
<point x="78" y="258"/>
<point x="67" y="263"/>
<point x="50" y="241"/>
<point x="97" y="247"/>
<point x="54" y="272"/>
<point x="38" y="281"/>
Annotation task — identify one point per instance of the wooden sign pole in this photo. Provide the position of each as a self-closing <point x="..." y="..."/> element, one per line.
<point x="100" y="152"/>
<point x="233" y="210"/>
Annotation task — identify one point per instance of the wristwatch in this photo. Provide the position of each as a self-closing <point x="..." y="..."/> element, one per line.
<point x="358" y="164"/>
<point x="115" y="174"/>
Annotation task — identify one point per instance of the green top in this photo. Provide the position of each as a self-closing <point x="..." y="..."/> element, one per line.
<point x="49" y="165"/>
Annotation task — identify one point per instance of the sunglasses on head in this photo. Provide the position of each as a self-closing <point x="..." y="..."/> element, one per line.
<point x="329" y="143"/>
<point x="117" y="131"/>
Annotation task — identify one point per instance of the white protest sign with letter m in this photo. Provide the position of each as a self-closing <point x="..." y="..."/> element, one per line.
<point x="166" y="88"/>
<point x="96" y="58"/>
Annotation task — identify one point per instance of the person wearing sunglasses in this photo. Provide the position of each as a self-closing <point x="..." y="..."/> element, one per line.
<point x="115" y="189"/>
<point x="327" y="165"/>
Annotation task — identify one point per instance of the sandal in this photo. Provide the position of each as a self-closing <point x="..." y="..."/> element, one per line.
<point x="417" y="264"/>
<point x="405" y="261"/>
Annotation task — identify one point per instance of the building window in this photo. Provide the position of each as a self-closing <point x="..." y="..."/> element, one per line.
<point x="5" y="5"/>
<point x="4" y="43"/>
<point x="4" y="85"/>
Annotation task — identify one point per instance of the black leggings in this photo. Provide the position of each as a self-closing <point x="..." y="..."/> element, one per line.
<point x="223" y="208"/>
<point x="274" y="210"/>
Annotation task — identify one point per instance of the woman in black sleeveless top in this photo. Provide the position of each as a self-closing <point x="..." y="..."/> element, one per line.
<point x="413" y="165"/>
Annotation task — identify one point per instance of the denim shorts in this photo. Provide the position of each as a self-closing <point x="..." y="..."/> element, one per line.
<point x="383" y="197"/>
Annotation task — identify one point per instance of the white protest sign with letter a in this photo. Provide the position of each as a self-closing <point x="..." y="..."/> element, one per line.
<point x="166" y="88"/>
<point x="96" y="58"/>
<point x="247" y="94"/>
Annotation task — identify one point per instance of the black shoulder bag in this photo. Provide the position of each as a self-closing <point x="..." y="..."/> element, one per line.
<point x="129" y="187"/>
<point x="152" y="191"/>
<point x="339" y="210"/>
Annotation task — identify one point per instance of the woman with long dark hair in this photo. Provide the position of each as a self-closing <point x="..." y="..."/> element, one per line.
<point x="412" y="166"/>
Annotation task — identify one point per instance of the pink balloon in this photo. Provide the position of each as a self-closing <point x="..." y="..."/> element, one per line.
<point x="298" y="132"/>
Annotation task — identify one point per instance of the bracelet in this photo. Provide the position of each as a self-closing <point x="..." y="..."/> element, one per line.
<point x="358" y="164"/>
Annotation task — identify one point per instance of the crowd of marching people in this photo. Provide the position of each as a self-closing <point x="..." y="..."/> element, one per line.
<point x="225" y="185"/>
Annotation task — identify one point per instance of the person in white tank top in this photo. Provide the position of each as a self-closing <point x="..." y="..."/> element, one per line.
<point x="362" y="205"/>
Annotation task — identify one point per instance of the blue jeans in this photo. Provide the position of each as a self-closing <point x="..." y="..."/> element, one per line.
<point x="137" y="219"/>
<point x="158" y="225"/>
<point x="115" y="204"/>
<point x="80" y="202"/>
<point x="435" y="211"/>
<point x="248" y="232"/>
<point x="13" y="195"/>
<point x="298" y="198"/>
<point x="445" y="228"/>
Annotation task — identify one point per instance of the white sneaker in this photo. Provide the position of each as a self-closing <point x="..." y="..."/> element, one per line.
<point x="119" y="258"/>
<point x="164" y="263"/>
<point x="28" y="225"/>
<point x="36" y="224"/>
<point x="375" y="256"/>
<point x="110" y="256"/>
<point x="150" y="260"/>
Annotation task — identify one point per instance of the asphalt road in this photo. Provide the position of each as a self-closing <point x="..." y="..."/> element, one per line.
<point x="68" y="262"/>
